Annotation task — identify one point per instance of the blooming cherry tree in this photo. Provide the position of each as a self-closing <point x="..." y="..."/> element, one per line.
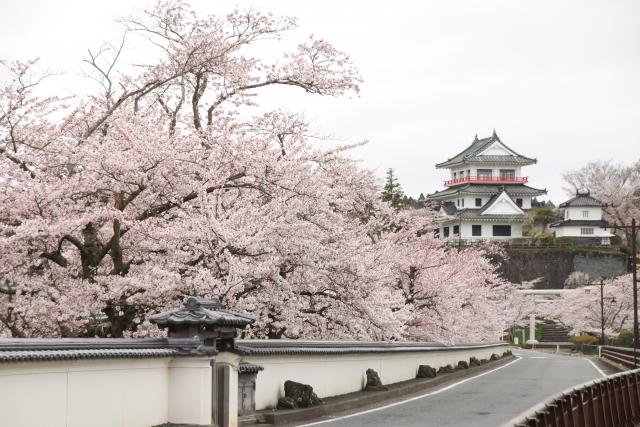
<point x="616" y="185"/>
<point x="161" y="185"/>
<point x="579" y="309"/>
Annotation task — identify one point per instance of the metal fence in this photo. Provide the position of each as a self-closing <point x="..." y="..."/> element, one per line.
<point x="610" y="402"/>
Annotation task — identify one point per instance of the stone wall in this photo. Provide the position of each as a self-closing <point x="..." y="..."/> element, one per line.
<point x="555" y="265"/>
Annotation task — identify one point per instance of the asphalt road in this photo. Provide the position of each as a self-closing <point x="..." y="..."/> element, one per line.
<point x="489" y="399"/>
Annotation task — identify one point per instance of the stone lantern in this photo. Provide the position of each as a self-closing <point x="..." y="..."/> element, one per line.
<point x="206" y="320"/>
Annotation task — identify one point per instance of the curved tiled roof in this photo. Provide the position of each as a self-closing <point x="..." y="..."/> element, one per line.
<point x="49" y="349"/>
<point x="202" y="312"/>
<point x="476" y="214"/>
<point x="249" y="368"/>
<point x="581" y="223"/>
<point x="299" y="347"/>
<point x="50" y="355"/>
<point x="511" y="189"/>
<point x="470" y="154"/>
<point x="582" y="200"/>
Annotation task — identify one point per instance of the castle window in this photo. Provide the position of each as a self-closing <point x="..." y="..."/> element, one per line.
<point x="445" y="232"/>
<point x="484" y="174"/>
<point x="463" y="203"/>
<point x="507" y="173"/>
<point x="585" y="214"/>
<point x="476" y="230"/>
<point x="586" y="231"/>
<point x="502" y="230"/>
<point x="519" y="202"/>
<point x="478" y="201"/>
<point x="456" y="230"/>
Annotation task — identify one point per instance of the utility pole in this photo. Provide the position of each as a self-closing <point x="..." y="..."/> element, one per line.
<point x="602" y="312"/>
<point x="634" y="274"/>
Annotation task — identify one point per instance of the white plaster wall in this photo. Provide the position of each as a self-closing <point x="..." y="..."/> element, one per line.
<point x="487" y="230"/>
<point x="189" y="398"/>
<point x="574" y="231"/>
<point x="474" y="170"/>
<point x="332" y="375"/>
<point x="595" y="213"/>
<point x="470" y="201"/>
<point x="84" y="393"/>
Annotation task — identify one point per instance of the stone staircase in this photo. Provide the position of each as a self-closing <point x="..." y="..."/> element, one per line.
<point x="555" y="335"/>
<point x="554" y="332"/>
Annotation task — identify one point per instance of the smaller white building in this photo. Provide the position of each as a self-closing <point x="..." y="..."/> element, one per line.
<point x="583" y="220"/>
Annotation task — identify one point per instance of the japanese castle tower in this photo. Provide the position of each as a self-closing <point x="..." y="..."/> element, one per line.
<point x="486" y="195"/>
<point x="583" y="221"/>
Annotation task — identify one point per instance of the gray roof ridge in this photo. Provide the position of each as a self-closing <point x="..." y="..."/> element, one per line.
<point x="578" y="196"/>
<point x="478" y="145"/>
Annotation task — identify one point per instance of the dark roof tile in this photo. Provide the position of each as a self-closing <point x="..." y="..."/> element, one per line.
<point x="582" y="200"/>
<point x="470" y="154"/>
<point x="299" y="347"/>
<point x="511" y="189"/>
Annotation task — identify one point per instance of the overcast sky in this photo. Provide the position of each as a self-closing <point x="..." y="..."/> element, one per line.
<point x="558" y="80"/>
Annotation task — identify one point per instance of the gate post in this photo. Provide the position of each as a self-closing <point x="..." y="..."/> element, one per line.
<point x="227" y="366"/>
<point x="203" y="391"/>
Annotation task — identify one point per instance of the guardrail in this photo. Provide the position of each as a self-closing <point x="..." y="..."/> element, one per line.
<point x="622" y="355"/>
<point x="611" y="401"/>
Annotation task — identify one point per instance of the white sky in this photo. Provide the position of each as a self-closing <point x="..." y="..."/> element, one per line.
<point x="559" y="80"/>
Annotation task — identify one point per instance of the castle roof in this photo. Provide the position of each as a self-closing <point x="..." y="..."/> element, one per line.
<point x="474" y="153"/>
<point x="580" y="223"/>
<point x="514" y="213"/>
<point x="512" y="189"/>
<point x="582" y="200"/>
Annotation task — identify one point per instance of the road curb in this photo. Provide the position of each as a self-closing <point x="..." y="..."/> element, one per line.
<point x="359" y="399"/>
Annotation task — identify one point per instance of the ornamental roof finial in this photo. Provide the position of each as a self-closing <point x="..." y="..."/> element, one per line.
<point x="495" y="135"/>
<point x="476" y="138"/>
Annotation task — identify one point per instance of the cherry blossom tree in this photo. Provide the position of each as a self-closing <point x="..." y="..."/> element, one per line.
<point x="614" y="184"/>
<point x="579" y="309"/>
<point x="162" y="184"/>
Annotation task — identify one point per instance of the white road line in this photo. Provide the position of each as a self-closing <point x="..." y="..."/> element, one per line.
<point x="402" y="402"/>
<point x="597" y="369"/>
<point x="538" y="357"/>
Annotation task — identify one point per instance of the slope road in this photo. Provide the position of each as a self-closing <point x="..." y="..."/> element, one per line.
<point x="489" y="399"/>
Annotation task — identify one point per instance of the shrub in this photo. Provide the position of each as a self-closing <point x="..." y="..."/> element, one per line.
<point x="567" y="240"/>
<point x="579" y="340"/>
<point x="545" y="236"/>
<point x="624" y="338"/>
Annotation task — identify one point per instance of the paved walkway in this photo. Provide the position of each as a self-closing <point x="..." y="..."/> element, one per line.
<point x="489" y="399"/>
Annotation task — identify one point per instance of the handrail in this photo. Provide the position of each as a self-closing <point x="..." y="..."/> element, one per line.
<point x="610" y="401"/>
<point x="502" y="179"/>
<point x="622" y="355"/>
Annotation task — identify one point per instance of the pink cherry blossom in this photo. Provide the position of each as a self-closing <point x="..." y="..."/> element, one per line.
<point x="162" y="185"/>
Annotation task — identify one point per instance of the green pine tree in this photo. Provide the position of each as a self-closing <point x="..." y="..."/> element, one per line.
<point x="392" y="192"/>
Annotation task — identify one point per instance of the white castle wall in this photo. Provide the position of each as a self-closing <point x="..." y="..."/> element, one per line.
<point x="336" y="374"/>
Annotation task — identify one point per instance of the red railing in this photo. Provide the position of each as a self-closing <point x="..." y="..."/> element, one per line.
<point x="488" y="179"/>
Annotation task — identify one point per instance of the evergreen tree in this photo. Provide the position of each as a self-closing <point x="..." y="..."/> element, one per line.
<point x="392" y="192"/>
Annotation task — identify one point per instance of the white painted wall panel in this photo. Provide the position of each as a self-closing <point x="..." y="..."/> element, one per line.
<point x="80" y="393"/>
<point x="333" y="375"/>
